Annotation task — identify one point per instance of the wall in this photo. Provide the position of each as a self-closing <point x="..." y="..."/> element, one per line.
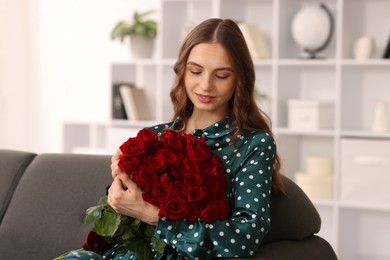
<point x="55" y="66"/>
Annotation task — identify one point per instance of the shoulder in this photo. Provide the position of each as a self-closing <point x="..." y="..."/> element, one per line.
<point x="259" y="141"/>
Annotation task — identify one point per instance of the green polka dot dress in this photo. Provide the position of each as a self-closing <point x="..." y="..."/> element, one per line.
<point x="248" y="166"/>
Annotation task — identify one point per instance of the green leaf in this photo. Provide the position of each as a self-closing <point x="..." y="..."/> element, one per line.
<point x="94" y="213"/>
<point x="135" y="224"/>
<point x="148" y="230"/>
<point x="138" y="26"/>
<point x="158" y="245"/>
<point x="103" y="201"/>
<point x="142" y="251"/>
<point x="108" y="224"/>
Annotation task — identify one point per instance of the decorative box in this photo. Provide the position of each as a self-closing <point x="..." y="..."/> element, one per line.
<point x="317" y="181"/>
<point x="310" y="114"/>
<point x="365" y="171"/>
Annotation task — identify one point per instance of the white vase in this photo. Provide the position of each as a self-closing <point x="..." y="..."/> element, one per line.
<point x="364" y="48"/>
<point x="382" y="117"/>
<point x="141" y="47"/>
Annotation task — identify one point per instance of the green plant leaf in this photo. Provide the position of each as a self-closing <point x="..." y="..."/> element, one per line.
<point x="158" y="245"/>
<point x="95" y="212"/>
<point x="103" y="201"/>
<point x="148" y="230"/>
<point x="142" y="251"/>
<point x="139" y="26"/>
<point x="108" y="224"/>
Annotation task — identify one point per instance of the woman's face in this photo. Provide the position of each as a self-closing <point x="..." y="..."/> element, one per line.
<point x="209" y="78"/>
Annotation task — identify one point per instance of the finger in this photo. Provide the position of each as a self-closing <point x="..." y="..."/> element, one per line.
<point x="127" y="181"/>
<point x="116" y="187"/>
<point x="115" y="170"/>
<point x="116" y="156"/>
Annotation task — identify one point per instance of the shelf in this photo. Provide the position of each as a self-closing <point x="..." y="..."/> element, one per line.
<point x="385" y="208"/>
<point x="132" y="123"/>
<point x="307" y="62"/>
<point x="366" y="63"/>
<point x="354" y="86"/>
<point x="364" y="134"/>
<point x="320" y="133"/>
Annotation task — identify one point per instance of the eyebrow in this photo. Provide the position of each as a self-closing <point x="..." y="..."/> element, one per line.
<point x="220" y="68"/>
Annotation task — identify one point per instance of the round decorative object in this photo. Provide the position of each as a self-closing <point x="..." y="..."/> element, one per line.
<point x="312" y="29"/>
<point x="364" y="48"/>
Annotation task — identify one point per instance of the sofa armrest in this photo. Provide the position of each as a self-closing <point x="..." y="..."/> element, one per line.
<point x="45" y="216"/>
<point x="293" y="216"/>
<point x="12" y="167"/>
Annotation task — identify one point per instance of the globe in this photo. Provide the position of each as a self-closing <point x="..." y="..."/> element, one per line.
<point x="312" y="29"/>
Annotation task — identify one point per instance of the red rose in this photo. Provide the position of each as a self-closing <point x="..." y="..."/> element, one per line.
<point x="196" y="149"/>
<point x="173" y="140"/>
<point x="157" y="194"/>
<point x="218" y="170"/>
<point x="214" y="210"/>
<point x="156" y="162"/>
<point x="145" y="176"/>
<point x="169" y="157"/>
<point x="147" y="136"/>
<point x="174" y="209"/>
<point x="134" y="146"/>
<point x="192" y="179"/>
<point x="164" y="178"/>
<point x="192" y="212"/>
<point x="179" y="189"/>
<point x="176" y="172"/>
<point x="195" y="194"/>
<point x="128" y="163"/>
<point x="193" y="165"/>
<point x="95" y="243"/>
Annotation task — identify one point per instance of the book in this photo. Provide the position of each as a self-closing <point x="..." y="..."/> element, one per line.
<point x="257" y="46"/>
<point x="135" y="102"/>
<point x="386" y="54"/>
<point x="117" y="107"/>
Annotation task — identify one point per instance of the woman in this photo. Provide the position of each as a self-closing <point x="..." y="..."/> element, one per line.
<point x="213" y="98"/>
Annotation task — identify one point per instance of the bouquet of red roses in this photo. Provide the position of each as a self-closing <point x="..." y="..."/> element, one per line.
<point x="178" y="173"/>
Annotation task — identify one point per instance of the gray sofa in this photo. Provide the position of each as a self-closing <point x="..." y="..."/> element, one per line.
<point x="43" y="200"/>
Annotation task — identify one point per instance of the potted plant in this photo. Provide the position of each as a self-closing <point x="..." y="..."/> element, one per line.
<point x="141" y="32"/>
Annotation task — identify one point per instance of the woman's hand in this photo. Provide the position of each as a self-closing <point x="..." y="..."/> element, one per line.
<point x="129" y="201"/>
<point x="115" y="170"/>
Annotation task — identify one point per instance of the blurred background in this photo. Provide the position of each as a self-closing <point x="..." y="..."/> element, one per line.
<point x="55" y="61"/>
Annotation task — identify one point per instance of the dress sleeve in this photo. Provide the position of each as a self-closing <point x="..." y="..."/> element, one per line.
<point x="241" y="233"/>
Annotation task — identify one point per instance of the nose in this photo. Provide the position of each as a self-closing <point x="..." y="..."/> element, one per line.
<point x="207" y="83"/>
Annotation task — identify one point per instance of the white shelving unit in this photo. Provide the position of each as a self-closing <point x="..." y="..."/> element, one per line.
<point x="355" y="230"/>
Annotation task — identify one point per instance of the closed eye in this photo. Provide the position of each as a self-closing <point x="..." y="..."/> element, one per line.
<point x="195" y="72"/>
<point x="222" y="76"/>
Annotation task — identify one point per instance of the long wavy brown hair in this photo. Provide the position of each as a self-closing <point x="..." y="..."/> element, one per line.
<point x="244" y="113"/>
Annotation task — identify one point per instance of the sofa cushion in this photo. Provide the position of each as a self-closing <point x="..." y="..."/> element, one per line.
<point x="49" y="205"/>
<point x="293" y="216"/>
<point x="12" y="166"/>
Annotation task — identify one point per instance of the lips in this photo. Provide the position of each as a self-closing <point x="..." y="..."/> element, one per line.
<point x="204" y="98"/>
